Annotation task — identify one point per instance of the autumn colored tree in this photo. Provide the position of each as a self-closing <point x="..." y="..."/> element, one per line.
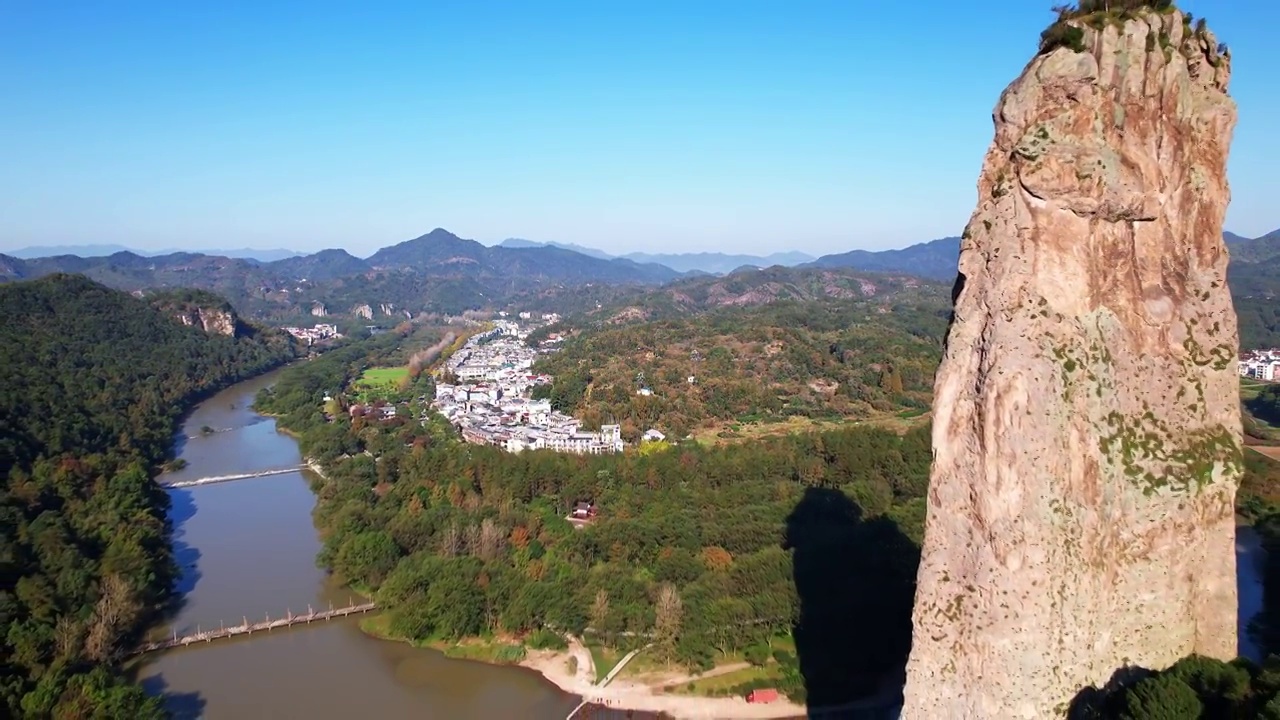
<point x="716" y="558"/>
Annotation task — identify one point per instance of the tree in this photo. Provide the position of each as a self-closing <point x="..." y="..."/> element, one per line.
<point x="117" y="608"/>
<point x="367" y="558"/>
<point x="716" y="558"/>
<point x="451" y="542"/>
<point x="600" y="611"/>
<point x="492" y="540"/>
<point x="667" y="615"/>
<point x="1162" y="697"/>
<point x="890" y="380"/>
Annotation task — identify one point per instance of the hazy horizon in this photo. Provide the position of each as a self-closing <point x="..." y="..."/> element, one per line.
<point x="116" y="247"/>
<point x="819" y="127"/>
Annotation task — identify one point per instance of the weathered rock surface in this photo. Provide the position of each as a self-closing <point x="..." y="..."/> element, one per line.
<point x="1086" y="412"/>
<point x="216" y="321"/>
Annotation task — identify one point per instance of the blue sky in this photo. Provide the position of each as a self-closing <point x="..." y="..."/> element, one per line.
<point x="731" y="125"/>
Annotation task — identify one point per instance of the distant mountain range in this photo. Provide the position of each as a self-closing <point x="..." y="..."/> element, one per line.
<point x="87" y="251"/>
<point x="441" y="272"/>
<point x="720" y="263"/>
<point x="703" y="262"/>
<point x="707" y="262"/>
<point x="437" y="272"/>
<point x="1259" y="249"/>
<point x="935" y="259"/>
<point x="519" y="243"/>
<point x="1255" y="268"/>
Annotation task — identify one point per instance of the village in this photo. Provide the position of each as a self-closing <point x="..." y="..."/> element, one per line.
<point x="1261" y="364"/>
<point x="491" y="400"/>
<point x="312" y="335"/>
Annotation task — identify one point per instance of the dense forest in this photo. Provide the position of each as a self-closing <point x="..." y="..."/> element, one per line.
<point x="703" y="551"/>
<point x="826" y="359"/>
<point x="92" y="382"/>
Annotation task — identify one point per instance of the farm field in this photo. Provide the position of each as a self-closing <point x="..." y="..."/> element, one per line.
<point x="380" y="382"/>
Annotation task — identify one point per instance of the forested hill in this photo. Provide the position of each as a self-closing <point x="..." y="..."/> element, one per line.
<point x="92" y="381"/>
<point x="438" y="272"/>
<point x="84" y="368"/>
<point x="748" y="287"/>
<point x="790" y="355"/>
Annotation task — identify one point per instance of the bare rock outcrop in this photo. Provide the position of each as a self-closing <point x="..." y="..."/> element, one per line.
<point x="215" y="321"/>
<point x="1086" y="413"/>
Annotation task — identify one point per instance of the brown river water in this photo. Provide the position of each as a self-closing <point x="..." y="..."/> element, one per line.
<point x="248" y="548"/>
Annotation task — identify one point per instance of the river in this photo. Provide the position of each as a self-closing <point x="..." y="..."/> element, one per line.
<point x="248" y="548"/>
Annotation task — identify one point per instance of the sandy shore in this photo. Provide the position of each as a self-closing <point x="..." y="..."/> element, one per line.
<point x="631" y="695"/>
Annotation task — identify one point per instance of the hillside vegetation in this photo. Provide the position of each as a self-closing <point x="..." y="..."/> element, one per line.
<point x="605" y="305"/>
<point x="1254" y="278"/>
<point x="91" y="383"/>
<point x="831" y="358"/>
<point x="709" y="553"/>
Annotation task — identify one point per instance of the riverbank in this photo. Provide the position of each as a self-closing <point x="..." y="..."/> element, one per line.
<point x="573" y="671"/>
<point x="626" y="694"/>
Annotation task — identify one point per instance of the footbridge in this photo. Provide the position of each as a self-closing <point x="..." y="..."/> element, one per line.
<point x="247" y="628"/>
<point x="239" y="476"/>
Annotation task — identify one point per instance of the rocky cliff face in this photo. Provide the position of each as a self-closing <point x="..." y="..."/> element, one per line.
<point x="1086" y="412"/>
<point x="212" y="320"/>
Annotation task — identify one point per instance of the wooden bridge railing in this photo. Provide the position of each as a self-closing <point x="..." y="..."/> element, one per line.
<point x="248" y="628"/>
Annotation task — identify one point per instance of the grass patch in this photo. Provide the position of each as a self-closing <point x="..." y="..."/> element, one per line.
<point x="382" y="377"/>
<point x="485" y="651"/>
<point x="604" y="658"/>
<point x="899" y="422"/>
<point x="730" y="683"/>
<point x="1250" y="387"/>
<point x="493" y="652"/>
<point x="380" y="383"/>
<point x="647" y="662"/>
<point x="785" y="643"/>
<point x="379" y="626"/>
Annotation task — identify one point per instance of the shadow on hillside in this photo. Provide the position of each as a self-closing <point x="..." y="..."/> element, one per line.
<point x="855" y="579"/>
<point x="181" y="706"/>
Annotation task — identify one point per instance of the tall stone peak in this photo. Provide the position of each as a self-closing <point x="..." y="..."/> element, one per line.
<point x="1086" y="413"/>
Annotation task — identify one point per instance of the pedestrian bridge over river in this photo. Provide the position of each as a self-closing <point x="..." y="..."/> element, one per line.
<point x="238" y="476"/>
<point x="248" y="628"/>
